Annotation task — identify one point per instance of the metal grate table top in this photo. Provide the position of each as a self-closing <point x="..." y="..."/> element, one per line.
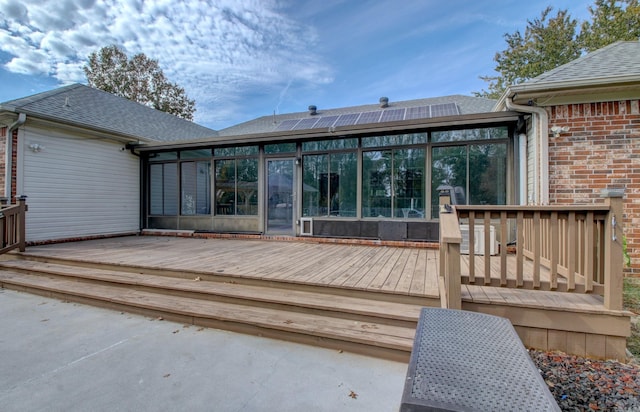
<point x="468" y="361"/>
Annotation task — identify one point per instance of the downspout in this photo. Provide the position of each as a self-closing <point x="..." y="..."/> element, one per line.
<point x="522" y="156"/>
<point x="8" y="177"/>
<point x="541" y="133"/>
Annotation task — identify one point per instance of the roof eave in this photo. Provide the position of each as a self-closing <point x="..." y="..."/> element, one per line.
<point x="124" y="137"/>
<point x="523" y="93"/>
<point x="343" y="131"/>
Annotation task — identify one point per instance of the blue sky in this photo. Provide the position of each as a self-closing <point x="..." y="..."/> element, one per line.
<point x="242" y="59"/>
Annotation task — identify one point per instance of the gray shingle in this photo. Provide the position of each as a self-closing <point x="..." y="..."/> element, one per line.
<point x="92" y="108"/>
<point x="266" y="124"/>
<point x="615" y="60"/>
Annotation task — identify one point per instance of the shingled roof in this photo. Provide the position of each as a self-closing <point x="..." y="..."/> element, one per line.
<point x="84" y="106"/>
<point x="272" y="123"/>
<point x="619" y="61"/>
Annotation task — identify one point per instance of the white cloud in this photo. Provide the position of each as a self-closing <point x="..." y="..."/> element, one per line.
<point x="218" y="50"/>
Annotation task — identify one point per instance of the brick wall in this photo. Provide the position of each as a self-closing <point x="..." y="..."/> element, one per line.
<point x="601" y="150"/>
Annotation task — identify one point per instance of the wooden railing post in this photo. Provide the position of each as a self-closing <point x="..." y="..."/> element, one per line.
<point x="21" y="229"/>
<point x="613" y="256"/>
<point x="450" y="239"/>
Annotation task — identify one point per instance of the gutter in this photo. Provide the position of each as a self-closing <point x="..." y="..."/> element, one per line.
<point x="541" y="154"/>
<point x="8" y="177"/>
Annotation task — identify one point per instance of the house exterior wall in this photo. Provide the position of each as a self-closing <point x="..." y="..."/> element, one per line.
<point x="601" y="150"/>
<point x="3" y="150"/>
<point x="77" y="186"/>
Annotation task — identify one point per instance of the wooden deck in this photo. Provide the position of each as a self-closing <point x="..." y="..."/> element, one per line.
<point x="394" y="270"/>
<point x="345" y="296"/>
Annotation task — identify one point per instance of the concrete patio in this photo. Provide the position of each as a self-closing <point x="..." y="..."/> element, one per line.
<point x="60" y="356"/>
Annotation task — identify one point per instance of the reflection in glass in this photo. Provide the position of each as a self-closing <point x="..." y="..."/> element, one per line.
<point x="163" y="190"/>
<point x="280" y="199"/>
<point x="475" y="173"/>
<point x="329" y="184"/>
<point x="195" y="179"/>
<point x="393" y="183"/>
<point x="237" y="186"/>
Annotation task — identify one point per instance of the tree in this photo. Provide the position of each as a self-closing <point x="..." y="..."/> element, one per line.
<point x="139" y="79"/>
<point x="610" y="22"/>
<point x="546" y="44"/>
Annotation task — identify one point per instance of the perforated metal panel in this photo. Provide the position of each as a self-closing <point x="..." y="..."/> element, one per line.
<point x="467" y="361"/>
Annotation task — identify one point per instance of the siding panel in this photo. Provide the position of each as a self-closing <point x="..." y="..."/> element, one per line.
<point x="78" y="186"/>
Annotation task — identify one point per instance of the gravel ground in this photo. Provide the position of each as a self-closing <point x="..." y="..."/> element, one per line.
<point x="580" y="384"/>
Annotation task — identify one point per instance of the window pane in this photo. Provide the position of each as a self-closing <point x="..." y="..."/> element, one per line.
<point x="195" y="188"/>
<point x="376" y="184"/>
<point x="408" y="176"/>
<point x="395" y="140"/>
<point x="470" y="134"/>
<point x="280" y="148"/>
<point x="235" y="151"/>
<point x="488" y="174"/>
<point x="334" y="144"/>
<point x="155" y="189"/>
<point x="225" y="187"/>
<point x="449" y="170"/>
<point x="154" y="157"/>
<point x="247" y="187"/>
<point x="314" y="185"/>
<point x="195" y="154"/>
<point x="343" y="184"/>
<point x="188" y="174"/>
<point x="203" y="188"/>
<point x="170" y="195"/>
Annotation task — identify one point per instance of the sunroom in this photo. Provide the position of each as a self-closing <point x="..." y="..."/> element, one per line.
<point x="369" y="181"/>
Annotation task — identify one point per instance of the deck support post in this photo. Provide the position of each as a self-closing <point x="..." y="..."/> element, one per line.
<point x="450" y="276"/>
<point x="613" y="254"/>
<point x="21" y="223"/>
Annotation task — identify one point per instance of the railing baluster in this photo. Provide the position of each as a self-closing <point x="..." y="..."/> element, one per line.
<point x="471" y="240"/>
<point x="503" y="248"/>
<point x="519" y="248"/>
<point x="487" y="248"/>
<point x="554" y="244"/>
<point x="589" y="249"/>
<point x="572" y="246"/>
<point x="537" y="249"/>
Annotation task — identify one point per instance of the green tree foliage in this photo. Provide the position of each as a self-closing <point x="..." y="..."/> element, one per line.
<point x="139" y="79"/>
<point x="611" y="21"/>
<point x="547" y="42"/>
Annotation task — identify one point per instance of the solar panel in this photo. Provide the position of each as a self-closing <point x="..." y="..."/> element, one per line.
<point x="369" y="117"/>
<point x="326" y="121"/>
<point x="387" y="115"/>
<point x="347" y="119"/>
<point x="305" y="123"/>
<point x="419" y="112"/>
<point x="446" y="109"/>
<point x="391" y="115"/>
<point x="287" y="125"/>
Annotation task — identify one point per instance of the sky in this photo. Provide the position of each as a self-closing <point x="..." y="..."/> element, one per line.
<point x="242" y="59"/>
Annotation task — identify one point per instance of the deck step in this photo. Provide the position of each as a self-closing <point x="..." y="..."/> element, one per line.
<point x="264" y="296"/>
<point x="227" y="277"/>
<point x="377" y="328"/>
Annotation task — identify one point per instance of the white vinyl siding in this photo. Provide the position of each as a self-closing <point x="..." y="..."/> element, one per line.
<point x="77" y="187"/>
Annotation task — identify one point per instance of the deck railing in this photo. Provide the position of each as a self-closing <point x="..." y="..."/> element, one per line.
<point x="556" y="248"/>
<point x="12" y="225"/>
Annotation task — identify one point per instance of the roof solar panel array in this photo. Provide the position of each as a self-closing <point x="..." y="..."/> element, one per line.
<point x="379" y="116"/>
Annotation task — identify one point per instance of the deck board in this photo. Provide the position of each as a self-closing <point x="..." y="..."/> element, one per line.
<point x="389" y="269"/>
